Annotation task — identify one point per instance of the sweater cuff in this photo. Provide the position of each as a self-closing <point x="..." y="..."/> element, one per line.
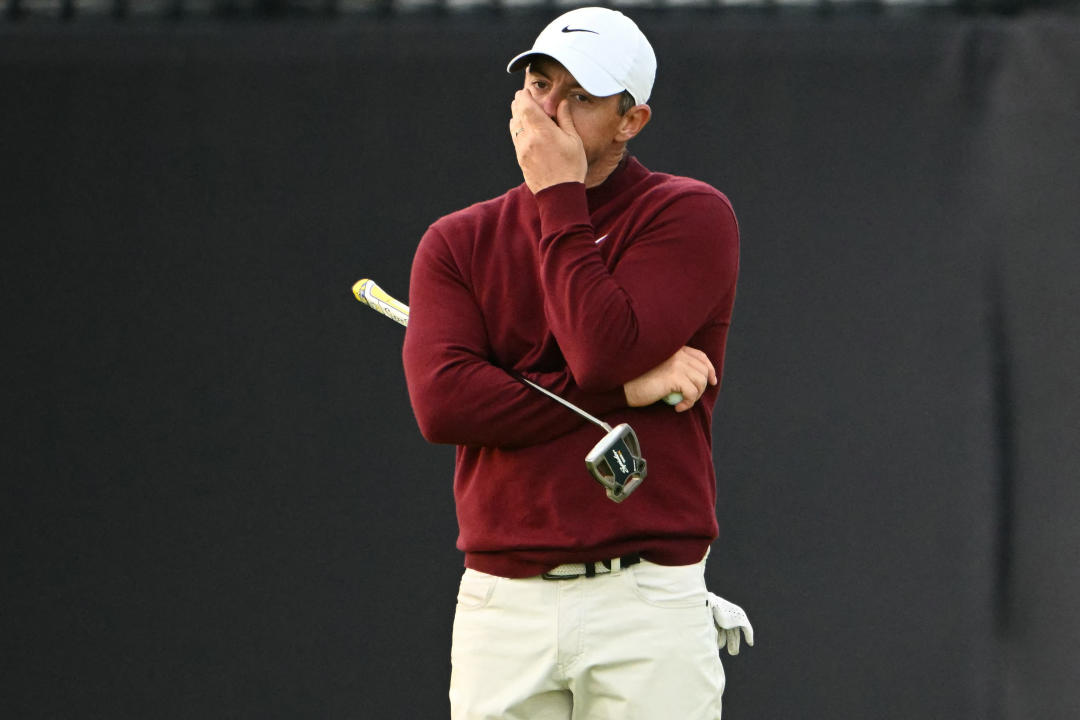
<point x="611" y="401"/>
<point x="562" y="206"/>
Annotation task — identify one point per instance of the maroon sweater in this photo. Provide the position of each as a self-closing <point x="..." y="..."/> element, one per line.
<point x="580" y="291"/>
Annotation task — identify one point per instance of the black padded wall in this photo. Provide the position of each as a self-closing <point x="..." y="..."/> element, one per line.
<point x="216" y="501"/>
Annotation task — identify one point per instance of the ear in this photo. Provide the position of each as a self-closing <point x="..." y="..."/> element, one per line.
<point x="635" y="119"/>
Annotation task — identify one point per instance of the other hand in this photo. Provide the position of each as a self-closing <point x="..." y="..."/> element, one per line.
<point x="689" y="372"/>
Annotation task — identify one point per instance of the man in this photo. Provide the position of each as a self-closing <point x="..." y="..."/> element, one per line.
<point x="612" y="286"/>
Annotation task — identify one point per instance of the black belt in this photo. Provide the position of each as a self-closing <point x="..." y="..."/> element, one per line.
<point x="570" y="571"/>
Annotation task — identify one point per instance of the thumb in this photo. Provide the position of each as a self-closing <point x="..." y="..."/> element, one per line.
<point x="566" y="121"/>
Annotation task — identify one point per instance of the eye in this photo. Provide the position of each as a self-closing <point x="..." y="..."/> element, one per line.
<point x="582" y="97"/>
<point x="540" y="84"/>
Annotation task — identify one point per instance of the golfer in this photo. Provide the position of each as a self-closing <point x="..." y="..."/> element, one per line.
<point x="612" y="286"/>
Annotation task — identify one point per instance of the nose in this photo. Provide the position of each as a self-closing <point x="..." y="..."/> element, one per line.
<point x="550" y="104"/>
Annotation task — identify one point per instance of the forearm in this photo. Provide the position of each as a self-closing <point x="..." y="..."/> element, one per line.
<point x="463" y="401"/>
<point x="459" y="396"/>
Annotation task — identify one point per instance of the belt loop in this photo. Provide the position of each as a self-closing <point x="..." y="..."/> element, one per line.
<point x="616" y="565"/>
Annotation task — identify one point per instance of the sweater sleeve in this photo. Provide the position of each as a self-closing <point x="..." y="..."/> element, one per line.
<point x="458" y="395"/>
<point x="617" y="319"/>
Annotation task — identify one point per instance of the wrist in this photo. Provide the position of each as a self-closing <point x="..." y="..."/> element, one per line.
<point x="562" y="205"/>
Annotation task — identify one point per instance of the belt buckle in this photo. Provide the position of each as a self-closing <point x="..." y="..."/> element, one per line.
<point x="592" y="569"/>
<point x="549" y="576"/>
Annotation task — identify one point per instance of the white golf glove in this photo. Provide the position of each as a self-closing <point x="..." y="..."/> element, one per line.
<point x="730" y="619"/>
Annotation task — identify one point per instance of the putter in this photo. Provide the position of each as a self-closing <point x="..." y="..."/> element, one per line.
<point x="615" y="462"/>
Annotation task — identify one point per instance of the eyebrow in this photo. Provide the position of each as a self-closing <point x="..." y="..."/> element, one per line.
<point x="531" y="68"/>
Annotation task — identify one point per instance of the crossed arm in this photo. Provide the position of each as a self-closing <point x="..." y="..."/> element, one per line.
<point x="460" y="394"/>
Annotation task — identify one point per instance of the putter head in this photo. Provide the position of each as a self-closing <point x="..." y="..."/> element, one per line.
<point x="616" y="462"/>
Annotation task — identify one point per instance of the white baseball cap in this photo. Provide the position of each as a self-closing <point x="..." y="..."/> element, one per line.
<point x="603" y="49"/>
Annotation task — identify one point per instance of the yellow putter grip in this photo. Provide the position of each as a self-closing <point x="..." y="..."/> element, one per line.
<point x="369" y="293"/>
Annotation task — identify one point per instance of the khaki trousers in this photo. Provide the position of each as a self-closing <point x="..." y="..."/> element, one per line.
<point x="637" y="644"/>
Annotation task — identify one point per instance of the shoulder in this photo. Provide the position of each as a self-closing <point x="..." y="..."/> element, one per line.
<point x="665" y="187"/>
<point x="683" y="202"/>
<point x="470" y="221"/>
<point x="462" y="239"/>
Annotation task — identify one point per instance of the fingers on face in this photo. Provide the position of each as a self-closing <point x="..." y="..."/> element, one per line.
<point x="525" y="108"/>
<point x="518" y="112"/>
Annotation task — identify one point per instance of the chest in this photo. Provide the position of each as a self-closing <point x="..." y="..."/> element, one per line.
<point x="505" y="280"/>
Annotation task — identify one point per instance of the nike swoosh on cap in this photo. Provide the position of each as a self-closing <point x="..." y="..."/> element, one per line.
<point x="568" y="29"/>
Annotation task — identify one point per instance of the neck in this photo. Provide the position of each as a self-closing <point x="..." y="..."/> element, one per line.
<point x="600" y="170"/>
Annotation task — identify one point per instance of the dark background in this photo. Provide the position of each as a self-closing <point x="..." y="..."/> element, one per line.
<point x="216" y="501"/>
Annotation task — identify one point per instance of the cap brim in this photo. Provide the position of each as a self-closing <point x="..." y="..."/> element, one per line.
<point x="591" y="76"/>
